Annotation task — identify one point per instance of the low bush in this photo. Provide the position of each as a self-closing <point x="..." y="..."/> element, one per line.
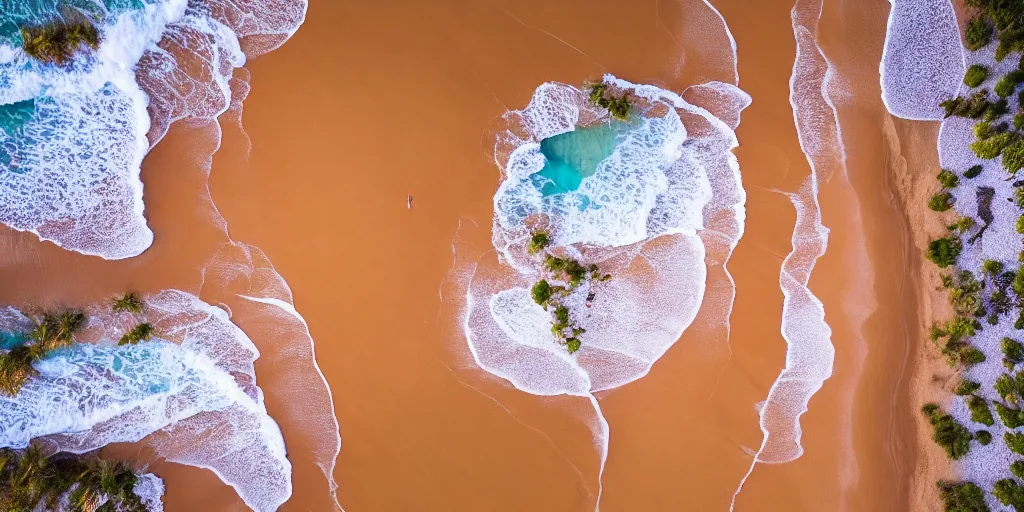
<point x="966" y="387"/>
<point x="973" y="171"/>
<point x="962" y="497"/>
<point x="940" y="202"/>
<point x="950" y="434"/>
<point x="984" y="437"/>
<point x="978" y="33"/>
<point x="947" y="179"/>
<point x="1009" y="493"/>
<point x="980" y="412"/>
<point x="975" y="75"/>
<point x="944" y="251"/>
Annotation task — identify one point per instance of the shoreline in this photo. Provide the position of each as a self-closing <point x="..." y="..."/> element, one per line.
<point x="912" y="152"/>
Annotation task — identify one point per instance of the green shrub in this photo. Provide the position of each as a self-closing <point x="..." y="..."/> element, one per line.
<point x="951" y="435"/>
<point x="1013" y="157"/>
<point x="947" y="179"/>
<point x="1015" y="442"/>
<point x="962" y="497"/>
<point x="980" y="412"/>
<point x="1013" y="351"/>
<point x="962" y="225"/>
<point x="971" y="356"/>
<point x="1005" y="86"/>
<point x="944" y="251"/>
<point x="929" y="409"/>
<point x="940" y="202"/>
<point x="1012" y="418"/>
<point x="992" y="267"/>
<point x="541" y="292"/>
<point x="984" y="437"/>
<point x="141" y="332"/>
<point x="993" y="146"/>
<point x="976" y="74"/>
<point x="973" y="171"/>
<point x="978" y="33"/>
<point x="966" y="387"/>
<point x="538" y="242"/>
<point x="572" y="345"/>
<point x="996" y="110"/>
<point x="971" y="107"/>
<point x="1009" y="493"/>
<point x="58" y="43"/>
<point x="1017" y="468"/>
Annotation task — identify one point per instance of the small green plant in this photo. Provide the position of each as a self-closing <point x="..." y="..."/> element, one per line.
<point x="598" y="94"/>
<point x="992" y="147"/>
<point x="1015" y="442"/>
<point x="541" y="292"/>
<point x="992" y="267"/>
<point x="128" y="302"/>
<point x="1006" y="86"/>
<point x="141" y="332"/>
<point x="966" y="387"/>
<point x="972" y="107"/>
<point x="1013" y="352"/>
<point x="58" y="43"/>
<point x="940" y="201"/>
<point x="980" y="412"/>
<point x="948" y="179"/>
<point x="944" y="251"/>
<point x="962" y="497"/>
<point x="1010" y="388"/>
<point x="1012" y="418"/>
<point x="984" y="437"/>
<point x="978" y="33"/>
<point x="950" y="434"/>
<point x="976" y="74"/>
<point x="973" y="171"/>
<point x="1017" y="468"/>
<point x="1009" y="493"/>
<point x="539" y="241"/>
<point x="1013" y="157"/>
<point x="962" y="225"/>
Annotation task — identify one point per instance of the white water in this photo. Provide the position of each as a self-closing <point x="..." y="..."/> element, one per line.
<point x="192" y="390"/>
<point x="922" y="60"/>
<point x="809" y="353"/>
<point x="74" y="175"/>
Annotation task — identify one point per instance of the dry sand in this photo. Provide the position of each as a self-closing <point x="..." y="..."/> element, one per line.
<point x="374" y="100"/>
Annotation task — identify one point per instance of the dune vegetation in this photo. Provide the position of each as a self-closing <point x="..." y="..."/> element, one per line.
<point x="31" y="480"/>
<point x="52" y="332"/>
<point x="559" y="278"/>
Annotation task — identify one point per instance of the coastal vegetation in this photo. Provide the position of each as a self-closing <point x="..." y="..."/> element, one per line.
<point x="975" y="75"/>
<point x="141" y="332"/>
<point x="947" y="432"/>
<point x="962" y="497"/>
<point x="51" y="332"/>
<point x="599" y="94"/>
<point x="31" y="480"/>
<point x="566" y="275"/>
<point x="996" y="290"/>
<point x="127" y="303"/>
<point x="59" y="42"/>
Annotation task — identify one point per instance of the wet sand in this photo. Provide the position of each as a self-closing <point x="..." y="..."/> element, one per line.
<point x="371" y="101"/>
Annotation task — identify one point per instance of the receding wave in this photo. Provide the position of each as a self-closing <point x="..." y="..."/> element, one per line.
<point x="809" y="353"/>
<point x="72" y="138"/>
<point x="922" y="60"/>
<point x="667" y="184"/>
<point x="192" y="391"/>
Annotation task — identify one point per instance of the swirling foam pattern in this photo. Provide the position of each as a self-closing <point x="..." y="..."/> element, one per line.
<point x="193" y="391"/>
<point x="922" y="60"/>
<point x="671" y="176"/>
<point x="69" y="167"/>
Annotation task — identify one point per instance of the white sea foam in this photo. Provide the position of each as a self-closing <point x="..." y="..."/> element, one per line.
<point x="74" y="173"/>
<point x="192" y="391"/>
<point x="922" y="60"/>
<point x="671" y="185"/>
<point x="809" y="353"/>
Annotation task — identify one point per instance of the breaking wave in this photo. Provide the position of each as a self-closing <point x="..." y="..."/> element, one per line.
<point x="193" y="391"/>
<point x="72" y="139"/>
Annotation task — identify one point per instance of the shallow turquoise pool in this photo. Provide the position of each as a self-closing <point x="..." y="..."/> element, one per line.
<point x="574" y="155"/>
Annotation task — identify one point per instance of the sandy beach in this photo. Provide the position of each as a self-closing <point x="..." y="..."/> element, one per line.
<point x="371" y="102"/>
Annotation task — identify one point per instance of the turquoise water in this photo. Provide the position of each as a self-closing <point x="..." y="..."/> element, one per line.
<point x="13" y="116"/>
<point x="574" y="155"/>
<point x="9" y="340"/>
<point x="15" y="14"/>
